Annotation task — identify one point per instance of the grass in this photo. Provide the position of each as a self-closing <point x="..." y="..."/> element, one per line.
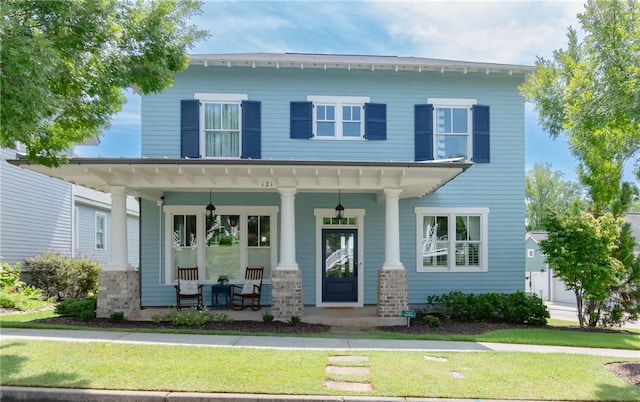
<point x="206" y="369"/>
<point x="528" y="336"/>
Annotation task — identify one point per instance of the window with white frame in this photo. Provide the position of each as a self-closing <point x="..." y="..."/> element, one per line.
<point x="237" y="237"/>
<point x="338" y="117"/>
<point x="530" y="253"/>
<point x="452" y="239"/>
<point x="221" y="123"/>
<point x="101" y="230"/>
<point x="452" y="127"/>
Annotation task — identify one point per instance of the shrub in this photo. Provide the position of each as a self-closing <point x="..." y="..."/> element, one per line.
<point x="267" y="317"/>
<point x="193" y="316"/>
<point x="64" y="277"/>
<point x="432" y="321"/>
<point x="16" y="294"/>
<point x="294" y="320"/>
<point x="84" y="308"/>
<point x="513" y="308"/>
<point x="117" y="316"/>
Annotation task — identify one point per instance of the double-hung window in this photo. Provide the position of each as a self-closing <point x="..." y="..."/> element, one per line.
<point x="338" y="117"/>
<point x="101" y="230"/>
<point x="221" y="123"/>
<point x="452" y="128"/>
<point x="452" y="239"/>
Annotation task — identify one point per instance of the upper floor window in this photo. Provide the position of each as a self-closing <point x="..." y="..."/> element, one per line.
<point x="530" y="253"/>
<point x="452" y="239"/>
<point x="101" y="230"/>
<point x="338" y="117"/>
<point x="450" y="129"/>
<point x="221" y="123"/>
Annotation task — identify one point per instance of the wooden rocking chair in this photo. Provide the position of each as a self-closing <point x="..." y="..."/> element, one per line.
<point x="249" y="291"/>
<point x="188" y="287"/>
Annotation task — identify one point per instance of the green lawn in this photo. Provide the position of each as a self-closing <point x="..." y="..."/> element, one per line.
<point x="498" y="375"/>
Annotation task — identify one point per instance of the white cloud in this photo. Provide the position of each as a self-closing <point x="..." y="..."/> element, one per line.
<point x="503" y="32"/>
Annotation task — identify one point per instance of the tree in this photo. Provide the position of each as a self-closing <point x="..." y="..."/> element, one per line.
<point x="591" y="93"/>
<point x="545" y="190"/>
<point x="64" y="64"/>
<point x="579" y="249"/>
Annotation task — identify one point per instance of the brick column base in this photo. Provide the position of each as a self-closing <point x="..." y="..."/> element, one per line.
<point x="393" y="295"/>
<point x="286" y="294"/>
<point x="118" y="291"/>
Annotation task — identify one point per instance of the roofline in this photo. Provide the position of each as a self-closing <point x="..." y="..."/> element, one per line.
<point x="359" y="62"/>
<point x="245" y="162"/>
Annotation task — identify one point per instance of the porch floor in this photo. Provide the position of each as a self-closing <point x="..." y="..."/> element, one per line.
<point x="356" y="317"/>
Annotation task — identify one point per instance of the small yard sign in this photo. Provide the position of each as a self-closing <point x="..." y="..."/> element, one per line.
<point x="409" y="314"/>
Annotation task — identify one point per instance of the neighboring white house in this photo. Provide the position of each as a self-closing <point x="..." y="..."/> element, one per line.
<point x="39" y="213"/>
<point x="539" y="277"/>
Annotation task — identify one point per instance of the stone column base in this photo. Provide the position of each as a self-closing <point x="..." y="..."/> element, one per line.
<point x="393" y="294"/>
<point x="118" y="291"/>
<point x="286" y="294"/>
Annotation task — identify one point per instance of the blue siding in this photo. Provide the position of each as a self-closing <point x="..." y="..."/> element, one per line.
<point x="498" y="185"/>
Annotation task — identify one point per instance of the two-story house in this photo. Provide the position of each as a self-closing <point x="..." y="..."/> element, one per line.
<point x="354" y="180"/>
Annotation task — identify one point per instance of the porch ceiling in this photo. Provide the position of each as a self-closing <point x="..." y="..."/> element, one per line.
<point x="149" y="178"/>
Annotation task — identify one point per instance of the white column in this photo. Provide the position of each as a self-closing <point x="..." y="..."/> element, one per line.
<point x="119" y="251"/>
<point x="287" y="229"/>
<point x="392" y="230"/>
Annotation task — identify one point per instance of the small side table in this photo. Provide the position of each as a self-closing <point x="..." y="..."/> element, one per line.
<point x="220" y="296"/>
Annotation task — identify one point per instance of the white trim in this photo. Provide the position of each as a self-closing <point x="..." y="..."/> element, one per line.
<point x="455" y="102"/>
<point x="483" y="212"/>
<point x="199" y="212"/>
<point x="104" y="231"/>
<point x="338" y="102"/>
<point x="220" y="97"/>
<point x="359" y="214"/>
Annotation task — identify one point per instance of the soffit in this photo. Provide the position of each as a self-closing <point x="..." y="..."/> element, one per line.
<point x="149" y="178"/>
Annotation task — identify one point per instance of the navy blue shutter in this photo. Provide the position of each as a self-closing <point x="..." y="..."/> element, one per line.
<point x="251" y="130"/>
<point x="423" y="121"/>
<point x="481" y="134"/>
<point x="375" y="121"/>
<point x="190" y="128"/>
<point x="301" y="120"/>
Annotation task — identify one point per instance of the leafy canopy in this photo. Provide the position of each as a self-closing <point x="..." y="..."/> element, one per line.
<point x="64" y="64"/>
<point x="544" y="191"/>
<point x="591" y="93"/>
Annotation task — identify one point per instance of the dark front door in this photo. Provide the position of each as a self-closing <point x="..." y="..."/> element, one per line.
<point x="340" y="265"/>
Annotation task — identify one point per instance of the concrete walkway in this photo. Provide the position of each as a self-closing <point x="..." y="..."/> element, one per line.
<point x="10" y="394"/>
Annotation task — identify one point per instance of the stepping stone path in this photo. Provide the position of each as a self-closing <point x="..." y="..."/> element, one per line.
<point x="345" y="369"/>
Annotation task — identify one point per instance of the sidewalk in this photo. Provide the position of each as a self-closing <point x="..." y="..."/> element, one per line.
<point x="10" y="394"/>
<point x="301" y="343"/>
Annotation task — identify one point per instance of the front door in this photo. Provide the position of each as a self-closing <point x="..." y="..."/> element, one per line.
<point x="339" y="265"/>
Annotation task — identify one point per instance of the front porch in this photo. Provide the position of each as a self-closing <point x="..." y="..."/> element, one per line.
<point x="357" y="317"/>
<point x="286" y="194"/>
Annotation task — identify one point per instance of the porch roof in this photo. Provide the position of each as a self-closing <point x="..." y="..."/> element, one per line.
<point x="149" y="177"/>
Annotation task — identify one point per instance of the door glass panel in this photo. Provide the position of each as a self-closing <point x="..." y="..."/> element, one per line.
<point x="222" y="253"/>
<point x="339" y="255"/>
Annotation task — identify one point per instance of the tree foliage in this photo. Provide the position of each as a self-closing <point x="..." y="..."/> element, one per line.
<point x="591" y="93"/>
<point x="579" y="248"/>
<point x="64" y="64"/>
<point x="545" y="190"/>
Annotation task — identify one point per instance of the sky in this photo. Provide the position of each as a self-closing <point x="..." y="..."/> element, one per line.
<point x="510" y="31"/>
